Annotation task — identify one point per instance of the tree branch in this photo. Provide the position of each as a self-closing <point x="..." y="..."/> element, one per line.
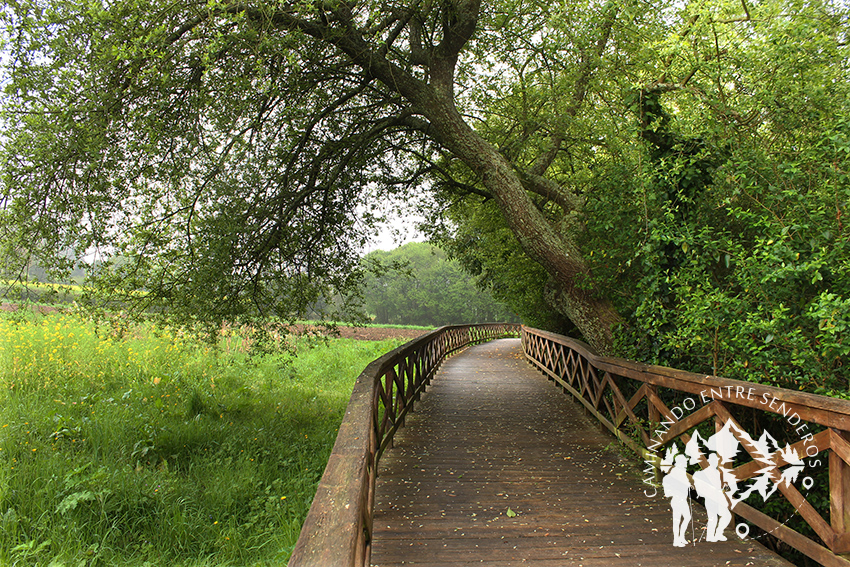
<point x="588" y="67"/>
<point x="401" y="23"/>
<point x="567" y="200"/>
<point x="460" y="19"/>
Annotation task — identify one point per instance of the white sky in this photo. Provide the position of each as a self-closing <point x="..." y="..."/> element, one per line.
<point x="399" y="231"/>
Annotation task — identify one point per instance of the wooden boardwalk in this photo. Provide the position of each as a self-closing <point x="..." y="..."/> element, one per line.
<point x="496" y="467"/>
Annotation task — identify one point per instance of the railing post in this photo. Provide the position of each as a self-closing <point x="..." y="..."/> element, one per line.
<point x="652" y="413"/>
<point x="839" y="494"/>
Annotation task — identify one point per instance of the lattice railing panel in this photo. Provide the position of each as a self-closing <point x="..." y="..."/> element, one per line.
<point x="577" y="369"/>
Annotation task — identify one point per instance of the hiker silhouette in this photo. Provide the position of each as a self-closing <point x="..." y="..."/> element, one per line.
<point x="712" y="483"/>
<point x="676" y="487"/>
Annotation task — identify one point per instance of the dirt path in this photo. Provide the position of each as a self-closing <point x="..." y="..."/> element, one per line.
<point x="371" y="333"/>
<point x="360" y="333"/>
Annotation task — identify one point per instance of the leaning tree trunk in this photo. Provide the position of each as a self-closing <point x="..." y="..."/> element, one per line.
<point x="558" y="253"/>
<point x="434" y="100"/>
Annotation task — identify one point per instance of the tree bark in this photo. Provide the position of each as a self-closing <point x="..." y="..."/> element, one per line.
<point x="559" y="255"/>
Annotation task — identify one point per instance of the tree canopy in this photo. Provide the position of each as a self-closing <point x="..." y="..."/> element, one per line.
<point x="669" y="169"/>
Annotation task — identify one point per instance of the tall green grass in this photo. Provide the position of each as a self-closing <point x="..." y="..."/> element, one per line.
<point x="143" y="446"/>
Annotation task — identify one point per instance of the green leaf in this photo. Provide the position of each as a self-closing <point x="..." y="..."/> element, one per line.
<point x="510" y="513"/>
<point x="72" y="500"/>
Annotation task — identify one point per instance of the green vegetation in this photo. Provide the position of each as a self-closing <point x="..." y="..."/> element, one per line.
<point x="136" y="445"/>
<point x="709" y="203"/>
<point x="668" y="180"/>
<point x="42" y="293"/>
<point x="652" y="168"/>
<point x="417" y="284"/>
<point x="480" y="242"/>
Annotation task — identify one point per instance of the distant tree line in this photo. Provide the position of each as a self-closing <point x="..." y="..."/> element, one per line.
<point x="417" y="285"/>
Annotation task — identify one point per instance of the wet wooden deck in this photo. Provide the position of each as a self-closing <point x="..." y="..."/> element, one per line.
<point x="496" y="467"/>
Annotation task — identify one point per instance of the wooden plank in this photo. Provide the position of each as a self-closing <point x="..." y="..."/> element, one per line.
<point x="694" y="419"/>
<point x="651" y="393"/>
<point x="800" y="542"/>
<point x="336" y="529"/>
<point x="618" y="396"/>
<point x="491" y="434"/>
<point x="713" y="391"/>
<point x="658" y="404"/>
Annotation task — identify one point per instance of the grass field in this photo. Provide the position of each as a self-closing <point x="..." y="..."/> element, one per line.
<point x="39" y="293"/>
<point x="148" y="447"/>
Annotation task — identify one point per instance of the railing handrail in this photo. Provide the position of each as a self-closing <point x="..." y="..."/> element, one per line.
<point x="823" y="410"/>
<point x="593" y="380"/>
<point x="337" y="528"/>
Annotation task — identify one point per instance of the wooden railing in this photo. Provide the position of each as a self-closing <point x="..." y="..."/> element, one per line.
<point x="651" y="407"/>
<point x="337" y="530"/>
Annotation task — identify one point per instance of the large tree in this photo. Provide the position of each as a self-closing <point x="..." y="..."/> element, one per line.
<point x="225" y="147"/>
<point x="714" y="190"/>
<point x="231" y="150"/>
